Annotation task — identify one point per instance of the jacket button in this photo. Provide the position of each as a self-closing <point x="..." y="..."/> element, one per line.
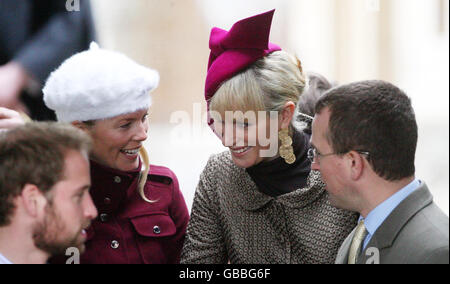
<point x="107" y="200"/>
<point x="117" y="179"/>
<point x="156" y="230"/>
<point x="115" y="244"/>
<point x="104" y="217"/>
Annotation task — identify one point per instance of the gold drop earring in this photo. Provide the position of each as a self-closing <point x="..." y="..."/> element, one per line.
<point x="286" y="149"/>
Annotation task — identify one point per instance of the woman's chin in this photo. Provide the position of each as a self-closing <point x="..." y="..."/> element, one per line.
<point x="127" y="166"/>
<point x="244" y="162"/>
<point x="127" y="162"/>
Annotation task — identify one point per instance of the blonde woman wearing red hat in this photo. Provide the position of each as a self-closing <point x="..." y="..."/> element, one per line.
<point x="142" y="215"/>
<point x="253" y="206"/>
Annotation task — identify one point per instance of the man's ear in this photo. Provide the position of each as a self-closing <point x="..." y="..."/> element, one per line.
<point x="33" y="200"/>
<point x="287" y="114"/>
<point x="356" y="163"/>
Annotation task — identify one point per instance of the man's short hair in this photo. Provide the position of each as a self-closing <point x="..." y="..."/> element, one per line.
<point x="377" y="117"/>
<point x="35" y="154"/>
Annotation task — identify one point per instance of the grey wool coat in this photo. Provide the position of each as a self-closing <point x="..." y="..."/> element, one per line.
<point x="231" y="221"/>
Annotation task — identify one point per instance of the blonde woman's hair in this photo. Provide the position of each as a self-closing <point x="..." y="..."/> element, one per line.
<point x="265" y="86"/>
<point x="143" y="176"/>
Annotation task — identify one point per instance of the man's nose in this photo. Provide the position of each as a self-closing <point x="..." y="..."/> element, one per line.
<point x="90" y="209"/>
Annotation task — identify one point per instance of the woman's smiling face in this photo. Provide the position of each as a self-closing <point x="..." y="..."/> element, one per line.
<point x="117" y="140"/>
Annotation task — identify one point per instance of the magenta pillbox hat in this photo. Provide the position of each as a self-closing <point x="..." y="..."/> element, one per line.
<point x="233" y="51"/>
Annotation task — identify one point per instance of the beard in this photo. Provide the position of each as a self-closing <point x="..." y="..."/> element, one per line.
<point x="48" y="234"/>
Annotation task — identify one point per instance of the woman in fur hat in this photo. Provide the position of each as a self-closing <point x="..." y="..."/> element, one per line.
<point x="142" y="213"/>
<point x="259" y="202"/>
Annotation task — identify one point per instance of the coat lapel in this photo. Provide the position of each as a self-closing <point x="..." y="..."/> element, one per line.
<point x="302" y="197"/>
<point x="342" y="256"/>
<point x="368" y="251"/>
<point x="244" y="190"/>
<point x="386" y="234"/>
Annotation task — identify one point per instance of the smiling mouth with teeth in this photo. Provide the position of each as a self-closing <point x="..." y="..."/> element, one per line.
<point x="130" y="152"/>
<point x="240" y="150"/>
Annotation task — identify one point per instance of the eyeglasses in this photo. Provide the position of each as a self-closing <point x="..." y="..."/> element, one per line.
<point x="313" y="153"/>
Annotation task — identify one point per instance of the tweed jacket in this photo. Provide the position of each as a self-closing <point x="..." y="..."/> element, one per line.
<point x="231" y="221"/>
<point x="415" y="232"/>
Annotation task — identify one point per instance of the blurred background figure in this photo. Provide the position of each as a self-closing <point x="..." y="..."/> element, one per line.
<point x="317" y="86"/>
<point x="35" y="37"/>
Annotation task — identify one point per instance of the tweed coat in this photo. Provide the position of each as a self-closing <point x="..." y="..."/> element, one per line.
<point x="231" y="221"/>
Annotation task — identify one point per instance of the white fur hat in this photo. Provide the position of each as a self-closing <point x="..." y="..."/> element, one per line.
<point x="98" y="84"/>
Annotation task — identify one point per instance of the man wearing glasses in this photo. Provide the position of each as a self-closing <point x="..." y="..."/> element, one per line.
<point x="364" y="138"/>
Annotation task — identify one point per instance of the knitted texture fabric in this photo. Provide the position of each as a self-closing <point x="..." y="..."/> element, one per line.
<point x="231" y="221"/>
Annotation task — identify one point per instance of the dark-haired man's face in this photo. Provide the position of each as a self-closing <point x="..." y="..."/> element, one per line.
<point x="69" y="211"/>
<point x="332" y="167"/>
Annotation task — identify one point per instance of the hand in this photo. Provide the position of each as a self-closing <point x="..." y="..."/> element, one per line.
<point x="9" y="119"/>
<point x="13" y="78"/>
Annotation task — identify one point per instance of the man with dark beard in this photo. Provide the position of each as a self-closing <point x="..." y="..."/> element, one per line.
<point x="45" y="205"/>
